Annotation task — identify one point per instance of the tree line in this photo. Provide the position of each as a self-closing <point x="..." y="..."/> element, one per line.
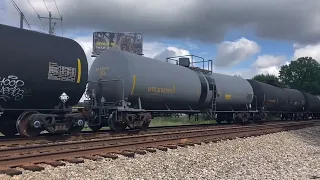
<point x="302" y="74"/>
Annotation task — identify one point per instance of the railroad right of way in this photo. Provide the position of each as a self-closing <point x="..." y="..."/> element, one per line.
<point x="29" y="157"/>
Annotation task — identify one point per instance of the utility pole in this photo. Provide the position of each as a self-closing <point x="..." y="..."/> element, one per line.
<point x="50" y="21"/>
<point x="22" y="17"/>
<point x="21" y="20"/>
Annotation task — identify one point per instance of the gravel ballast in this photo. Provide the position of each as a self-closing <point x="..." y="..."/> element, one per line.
<point x="284" y="155"/>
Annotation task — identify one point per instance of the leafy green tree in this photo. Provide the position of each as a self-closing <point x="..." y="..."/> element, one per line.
<point x="302" y="74"/>
<point x="268" y="79"/>
<point x="265" y="77"/>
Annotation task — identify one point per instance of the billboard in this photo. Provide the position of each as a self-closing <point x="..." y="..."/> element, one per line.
<point x="131" y="42"/>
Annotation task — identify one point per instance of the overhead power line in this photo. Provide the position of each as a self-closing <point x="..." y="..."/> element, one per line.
<point x="46" y="5"/>
<point x="37" y="16"/>
<point x="50" y="18"/>
<point x="57" y="7"/>
<point x="60" y="16"/>
<point x="22" y="17"/>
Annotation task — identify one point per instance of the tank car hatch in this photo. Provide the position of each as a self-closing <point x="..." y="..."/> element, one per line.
<point x="184" y="62"/>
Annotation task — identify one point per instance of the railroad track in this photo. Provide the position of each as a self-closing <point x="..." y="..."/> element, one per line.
<point x="87" y="135"/>
<point x="30" y="157"/>
<point x="46" y="138"/>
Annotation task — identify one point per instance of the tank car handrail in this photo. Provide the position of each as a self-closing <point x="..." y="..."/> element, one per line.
<point x="189" y="55"/>
<point x="192" y="62"/>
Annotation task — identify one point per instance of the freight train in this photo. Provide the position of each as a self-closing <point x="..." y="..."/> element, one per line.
<point x="43" y="76"/>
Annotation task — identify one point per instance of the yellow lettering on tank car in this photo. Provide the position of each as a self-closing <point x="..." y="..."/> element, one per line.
<point x="102" y="71"/>
<point x="162" y="90"/>
<point x="227" y="96"/>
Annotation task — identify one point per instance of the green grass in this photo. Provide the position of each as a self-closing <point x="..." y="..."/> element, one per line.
<point x="171" y="121"/>
<point x="168" y="121"/>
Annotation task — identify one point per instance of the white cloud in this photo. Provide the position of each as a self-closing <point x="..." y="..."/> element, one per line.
<point x="266" y="61"/>
<point x="307" y="50"/>
<point x="171" y="52"/>
<point x="269" y="64"/>
<point x="269" y="70"/>
<point x="231" y="53"/>
<point x="151" y="49"/>
<point x="265" y="64"/>
<point x="244" y="73"/>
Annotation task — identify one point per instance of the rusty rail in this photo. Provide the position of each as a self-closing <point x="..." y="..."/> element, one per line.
<point x="29" y="157"/>
<point x="47" y="138"/>
<point x="86" y="135"/>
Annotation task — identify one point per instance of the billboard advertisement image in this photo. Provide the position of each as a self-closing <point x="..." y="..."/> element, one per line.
<point x="131" y="42"/>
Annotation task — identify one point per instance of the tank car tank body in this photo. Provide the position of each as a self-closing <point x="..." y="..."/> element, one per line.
<point x="36" y="69"/>
<point x="275" y="99"/>
<point x="156" y="86"/>
<point x="312" y="105"/>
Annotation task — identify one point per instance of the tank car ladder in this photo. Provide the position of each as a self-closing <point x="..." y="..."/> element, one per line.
<point x="212" y="110"/>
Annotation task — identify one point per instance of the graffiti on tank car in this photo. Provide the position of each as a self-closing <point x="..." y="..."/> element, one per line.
<point x="162" y="90"/>
<point x="10" y="88"/>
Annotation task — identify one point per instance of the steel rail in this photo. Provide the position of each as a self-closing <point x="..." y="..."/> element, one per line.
<point x="28" y="157"/>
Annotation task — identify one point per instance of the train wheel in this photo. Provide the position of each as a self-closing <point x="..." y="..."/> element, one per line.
<point x="229" y="119"/>
<point x="77" y="127"/>
<point x="116" y="125"/>
<point x="23" y="127"/>
<point x="220" y="118"/>
<point x="95" y="128"/>
<point x="146" y="119"/>
<point x="145" y="125"/>
<point x="263" y="117"/>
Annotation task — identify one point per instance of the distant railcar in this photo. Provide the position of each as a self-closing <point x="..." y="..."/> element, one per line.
<point x="272" y="98"/>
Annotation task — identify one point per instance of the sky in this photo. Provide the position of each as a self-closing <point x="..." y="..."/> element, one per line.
<point x="242" y="37"/>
